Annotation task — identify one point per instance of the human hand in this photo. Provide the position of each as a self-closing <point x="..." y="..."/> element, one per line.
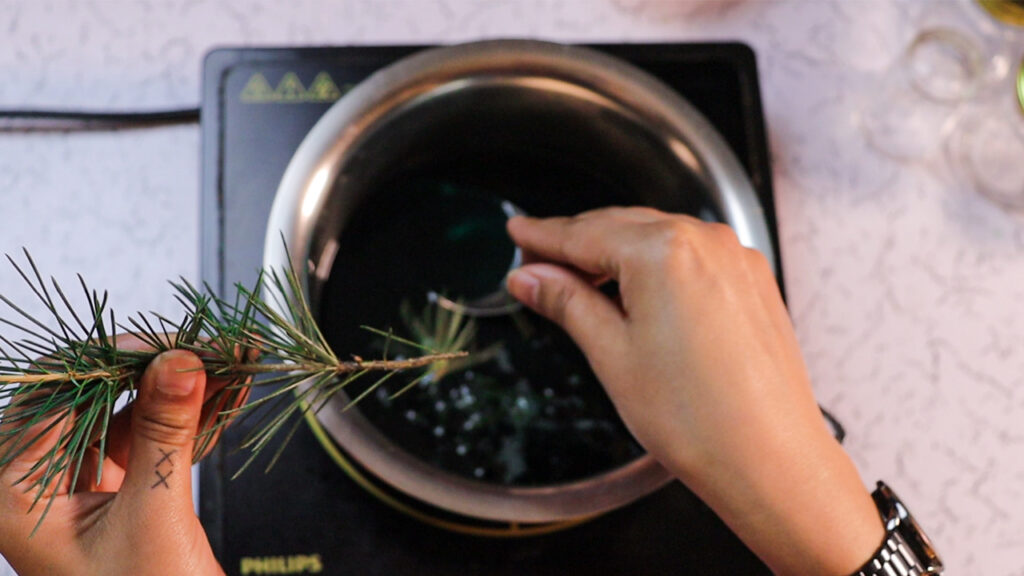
<point x="139" y="520"/>
<point x="701" y="361"/>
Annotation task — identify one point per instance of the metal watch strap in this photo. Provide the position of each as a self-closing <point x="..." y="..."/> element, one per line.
<point x="893" y="558"/>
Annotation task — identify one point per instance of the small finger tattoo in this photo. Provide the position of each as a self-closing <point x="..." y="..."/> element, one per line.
<point x="162" y="480"/>
<point x="165" y="456"/>
<point x="164" y="463"/>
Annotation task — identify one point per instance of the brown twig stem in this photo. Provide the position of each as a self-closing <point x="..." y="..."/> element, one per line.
<point x="350" y="366"/>
<point x="341" y="368"/>
<point x="55" y="377"/>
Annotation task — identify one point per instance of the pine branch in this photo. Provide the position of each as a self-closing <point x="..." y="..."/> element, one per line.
<point x="243" y="368"/>
<point x="63" y="375"/>
<point x="350" y="366"/>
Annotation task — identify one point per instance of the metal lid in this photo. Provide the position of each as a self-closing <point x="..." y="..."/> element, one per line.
<point x="1006" y="11"/>
<point x="1020" y="86"/>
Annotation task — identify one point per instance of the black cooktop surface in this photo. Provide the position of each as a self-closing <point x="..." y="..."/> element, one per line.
<point x="306" y="515"/>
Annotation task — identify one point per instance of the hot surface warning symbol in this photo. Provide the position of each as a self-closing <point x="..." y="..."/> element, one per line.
<point x="257" y="89"/>
<point x="290" y="90"/>
<point x="323" y="89"/>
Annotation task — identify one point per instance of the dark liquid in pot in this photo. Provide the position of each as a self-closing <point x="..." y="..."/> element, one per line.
<point x="534" y="413"/>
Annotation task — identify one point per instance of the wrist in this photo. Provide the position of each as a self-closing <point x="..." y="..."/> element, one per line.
<point x="792" y="500"/>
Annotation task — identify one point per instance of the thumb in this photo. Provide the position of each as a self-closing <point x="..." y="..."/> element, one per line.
<point x="588" y="316"/>
<point x="165" y="418"/>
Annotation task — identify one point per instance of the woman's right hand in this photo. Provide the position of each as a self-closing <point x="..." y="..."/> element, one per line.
<point x="700" y="358"/>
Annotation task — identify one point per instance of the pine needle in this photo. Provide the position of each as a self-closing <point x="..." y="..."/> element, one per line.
<point x="65" y="372"/>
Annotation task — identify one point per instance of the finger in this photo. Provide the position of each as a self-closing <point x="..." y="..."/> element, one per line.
<point x="215" y="400"/>
<point x="110" y="480"/>
<point x="592" y="279"/>
<point x="593" y="320"/>
<point x="594" y="242"/>
<point x="118" y="433"/>
<point x="639" y="214"/>
<point x="583" y="242"/>
<point x="30" y="431"/>
<point x="163" y="426"/>
<point x="119" y="437"/>
<point x="26" y="459"/>
<point x="30" y="428"/>
<point x="130" y="341"/>
<point x="226" y="399"/>
<point x="119" y="429"/>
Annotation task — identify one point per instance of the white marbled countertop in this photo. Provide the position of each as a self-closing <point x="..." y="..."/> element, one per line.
<point x="907" y="290"/>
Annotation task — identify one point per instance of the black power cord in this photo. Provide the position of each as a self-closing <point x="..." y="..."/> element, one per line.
<point x="28" y="120"/>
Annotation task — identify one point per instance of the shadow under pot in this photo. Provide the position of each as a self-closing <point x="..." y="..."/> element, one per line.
<point x="397" y="202"/>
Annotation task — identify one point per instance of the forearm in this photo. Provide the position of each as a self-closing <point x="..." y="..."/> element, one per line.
<point x="801" y="506"/>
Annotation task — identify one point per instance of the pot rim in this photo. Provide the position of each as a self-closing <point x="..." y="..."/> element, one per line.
<point x="310" y="175"/>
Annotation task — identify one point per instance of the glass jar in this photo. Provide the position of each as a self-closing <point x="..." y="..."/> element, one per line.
<point x="985" y="146"/>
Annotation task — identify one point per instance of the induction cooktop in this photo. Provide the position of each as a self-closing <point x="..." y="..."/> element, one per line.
<point x="317" y="512"/>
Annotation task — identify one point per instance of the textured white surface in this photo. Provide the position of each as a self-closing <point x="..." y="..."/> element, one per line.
<point x="906" y="289"/>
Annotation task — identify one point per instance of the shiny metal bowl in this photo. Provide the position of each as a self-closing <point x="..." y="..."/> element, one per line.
<point x="489" y="106"/>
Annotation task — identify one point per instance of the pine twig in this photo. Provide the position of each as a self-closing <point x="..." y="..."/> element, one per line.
<point x="66" y="372"/>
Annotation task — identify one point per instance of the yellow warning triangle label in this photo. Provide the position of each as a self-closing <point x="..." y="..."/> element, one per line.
<point x="290" y="89"/>
<point x="323" y="89"/>
<point x="257" y="89"/>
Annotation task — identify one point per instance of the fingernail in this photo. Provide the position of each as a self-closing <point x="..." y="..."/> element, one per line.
<point x="515" y="221"/>
<point x="523" y="286"/>
<point x="176" y="373"/>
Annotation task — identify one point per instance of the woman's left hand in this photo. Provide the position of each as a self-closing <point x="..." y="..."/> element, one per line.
<point x="139" y="518"/>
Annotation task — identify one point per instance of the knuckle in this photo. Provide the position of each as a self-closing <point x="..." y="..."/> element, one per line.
<point x="582" y="217"/>
<point x="565" y="242"/>
<point x="572" y="245"/>
<point x="646" y="212"/>
<point x="755" y="257"/>
<point x="684" y="245"/>
<point x="672" y="241"/>
<point x="556" y="301"/>
<point x="758" y="263"/>
<point x="166" y="428"/>
<point x="723" y="233"/>
<point x="590" y="214"/>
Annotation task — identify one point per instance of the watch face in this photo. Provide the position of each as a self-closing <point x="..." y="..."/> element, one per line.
<point x="918" y="542"/>
<point x="898" y="518"/>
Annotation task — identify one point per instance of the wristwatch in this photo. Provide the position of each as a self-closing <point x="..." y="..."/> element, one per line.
<point x="906" y="550"/>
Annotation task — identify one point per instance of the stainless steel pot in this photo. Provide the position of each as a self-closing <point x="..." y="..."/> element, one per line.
<point x="493" y="107"/>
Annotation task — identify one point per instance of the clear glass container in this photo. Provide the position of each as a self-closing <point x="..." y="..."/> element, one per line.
<point x="913" y="106"/>
<point x="986" y="144"/>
